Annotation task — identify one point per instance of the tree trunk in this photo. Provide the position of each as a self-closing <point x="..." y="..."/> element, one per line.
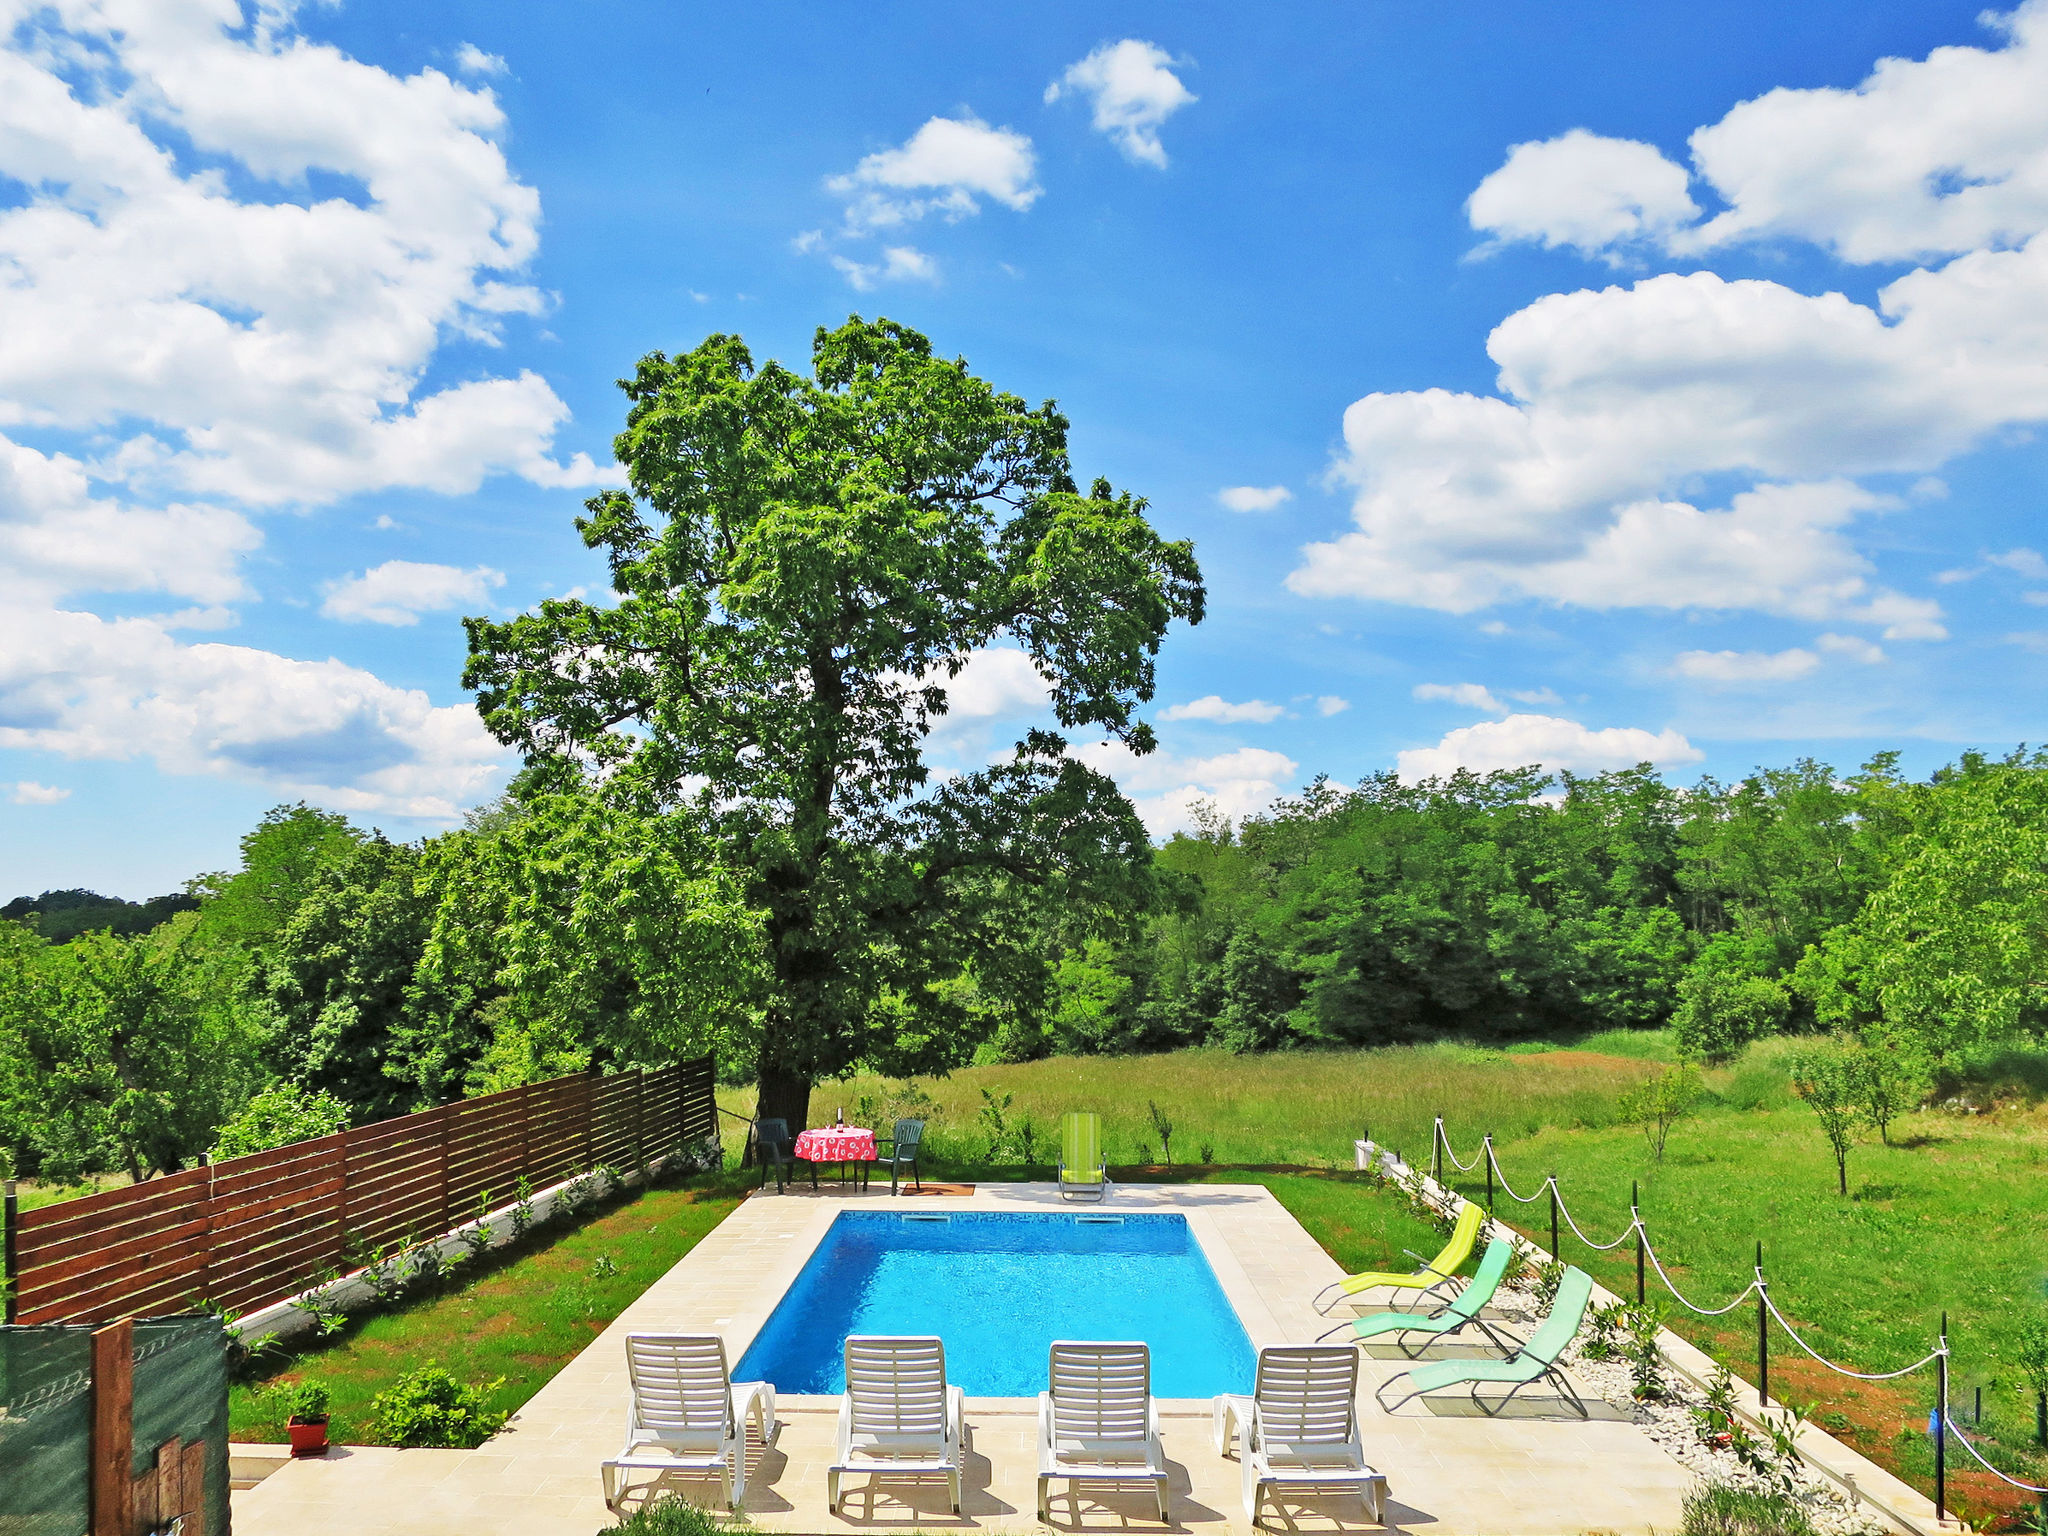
<point x="783" y="1095"/>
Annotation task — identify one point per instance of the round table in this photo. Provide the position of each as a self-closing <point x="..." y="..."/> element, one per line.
<point x="841" y="1144"/>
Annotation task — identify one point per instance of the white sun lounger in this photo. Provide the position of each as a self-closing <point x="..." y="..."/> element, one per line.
<point x="687" y="1408"/>
<point x="898" y="1416"/>
<point x="1099" y="1422"/>
<point x="1300" y="1427"/>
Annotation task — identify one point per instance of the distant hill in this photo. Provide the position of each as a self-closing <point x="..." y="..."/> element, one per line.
<point x="61" y="916"/>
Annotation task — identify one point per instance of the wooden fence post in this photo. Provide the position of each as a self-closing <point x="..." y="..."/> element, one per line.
<point x="590" y="1081"/>
<point x="447" y="1130"/>
<point x="113" y="1430"/>
<point x="8" y="1221"/>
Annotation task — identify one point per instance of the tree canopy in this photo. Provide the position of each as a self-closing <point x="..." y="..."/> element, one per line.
<point x="802" y="562"/>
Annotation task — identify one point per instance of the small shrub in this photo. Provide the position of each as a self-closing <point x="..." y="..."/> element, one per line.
<point x="477" y="1239"/>
<point x="1719" y="1509"/>
<point x="995" y="1124"/>
<point x="1143" y="1154"/>
<point x="1829" y="1083"/>
<point x="1164" y="1128"/>
<point x="668" y="1516"/>
<point x="306" y="1401"/>
<point x="522" y="1207"/>
<point x="1660" y="1103"/>
<point x="1026" y="1134"/>
<point x="1208" y="1154"/>
<point x="1602" y="1324"/>
<point x="1645" y="1363"/>
<point x="603" y="1267"/>
<point x="1549" y="1277"/>
<point x="429" y="1407"/>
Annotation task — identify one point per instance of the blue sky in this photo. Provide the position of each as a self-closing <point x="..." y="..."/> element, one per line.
<point x="1661" y="385"/>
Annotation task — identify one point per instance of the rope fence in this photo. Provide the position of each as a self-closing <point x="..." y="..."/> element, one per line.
<point x="1941" y="1428"/>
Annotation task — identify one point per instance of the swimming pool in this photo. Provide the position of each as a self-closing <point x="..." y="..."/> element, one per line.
<point x="999" y="1287"/>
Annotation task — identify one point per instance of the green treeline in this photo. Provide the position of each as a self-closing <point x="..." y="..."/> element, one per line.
<point x="553" y="933"/>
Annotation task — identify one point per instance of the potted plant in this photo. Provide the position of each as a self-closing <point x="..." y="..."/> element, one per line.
<point x="306" y="1419"/>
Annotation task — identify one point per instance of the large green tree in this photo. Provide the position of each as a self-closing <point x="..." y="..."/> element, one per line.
<point x="802" y="563"/>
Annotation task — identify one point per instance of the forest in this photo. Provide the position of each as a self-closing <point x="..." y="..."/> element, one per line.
<point x="335" y="976"/>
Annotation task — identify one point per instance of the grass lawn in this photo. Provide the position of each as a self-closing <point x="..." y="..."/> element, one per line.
<point x="524" y="1319"/>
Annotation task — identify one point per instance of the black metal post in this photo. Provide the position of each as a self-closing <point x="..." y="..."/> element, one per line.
<point x="1553" y="1216"/>
<point x="1978" y="1416"/>
<point x="1763" y="1333"/>
<point x="1941" y="1427"/>
<point x="12" y="1218"/>
<point x="1636" y="1215"/>
<point x="1486" y="1151"/>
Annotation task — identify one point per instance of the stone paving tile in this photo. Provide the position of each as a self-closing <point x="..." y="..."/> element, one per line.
<point x="1508" y="1476"/>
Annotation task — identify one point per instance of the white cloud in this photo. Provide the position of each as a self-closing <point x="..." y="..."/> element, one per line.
<point x="1166" y="787"/>
<point x="28" y="792"/>
<point x="1584" y="191"/>
<point x="1854" y="647"/>
<point x="1534" y="696"/>
<point x="2021" y="562"/>
<point x="399" y="591"/>
<point x="1470" y="695"/>
<point x="1577" y="483"/>
<point x="944" y="168"/>
<point x="87" y="687"/>
<point x="1744" y="666"/>
<point x="232" y="257"/>
<point x="1254" y="498"/>
<point x="899" y="263"/>
<point x="994" y="682"/>
<point x="1545" y="740"/>
<point x="1329" y="704"/>
<point x="1220" y="711"/>
<point x="1133" y="92"/>
<point x="472" y="60"/>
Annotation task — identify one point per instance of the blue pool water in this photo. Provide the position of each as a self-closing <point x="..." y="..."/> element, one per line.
<point x="999" y="1287"/>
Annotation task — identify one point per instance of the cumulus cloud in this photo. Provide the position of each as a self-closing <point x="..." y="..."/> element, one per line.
<point x="1853" y="647"/>
<point x="899" y="263"/>
<point x="995" y="682"/>
<point x="1556" y="744"/>
<point x="1470" y="695"/>
<point x="1736" y="667"/>
<point x="1132" y="90"/>
<point x="1220" y="711"/>
<point x="399" y="591"/>
<point x="232" y="257"/>
<point x="1166" y="787"/>
<point x="1577" y="483"/>
<point x="472" y="60"/>
<point x="87" y="687"/>
<point x="1584" y="191"/>
<point x="945" y="168"/>
<point x="1254" y="498"/>
<point x="1329" y="704"/>
<point x="28" y="792"/>
<point x="2021" y="562"/>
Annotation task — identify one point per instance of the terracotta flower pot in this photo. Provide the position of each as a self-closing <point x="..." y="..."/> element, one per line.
<point x="309" y="1436"/>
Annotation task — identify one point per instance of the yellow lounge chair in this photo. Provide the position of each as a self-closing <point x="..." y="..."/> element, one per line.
<point x="1082" y="1175"/>
<point x="1432" y="1277"/>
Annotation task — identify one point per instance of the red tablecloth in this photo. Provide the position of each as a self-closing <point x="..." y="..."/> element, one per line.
<point x="837" y="1144"/>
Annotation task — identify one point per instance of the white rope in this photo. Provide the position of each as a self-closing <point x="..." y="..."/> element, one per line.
<point x="1445" y="1142"/>
<point x="1948" y="1425"/>
<point x="1840" y="1370"/>
<point x="1628" y="1232"/>
<point x="1508" y="1188"/>
<point x="1690" y="1306"/>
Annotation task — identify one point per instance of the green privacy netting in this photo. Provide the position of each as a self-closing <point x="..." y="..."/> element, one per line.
<point x="181" y="1392"/>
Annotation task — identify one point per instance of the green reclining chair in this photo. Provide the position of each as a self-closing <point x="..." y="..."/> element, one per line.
<point x="1434" y="1275"/>
<point x="1463" y="1311"/>
<point x="1535" y="1361"/>
<point x="1082" y="1174"/>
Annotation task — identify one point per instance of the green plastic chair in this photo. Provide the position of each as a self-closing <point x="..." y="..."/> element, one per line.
<point x="1535" y="1361"/>
<point x="1462" y="1313"/>
<point x="1435" y="1274"/>
<point x="1082" y="1175"/>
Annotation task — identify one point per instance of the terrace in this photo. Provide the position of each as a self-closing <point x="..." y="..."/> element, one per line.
<point x="1539" y="1469"/>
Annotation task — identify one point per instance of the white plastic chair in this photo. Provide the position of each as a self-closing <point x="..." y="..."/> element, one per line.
<point x="1300" y="1427"/>
<point x="898" y="1415"/>
<point x="1099" y="1422"/>
<point x="686" y="1406"/>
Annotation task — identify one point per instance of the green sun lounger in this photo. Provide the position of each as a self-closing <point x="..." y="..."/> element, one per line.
<point x="1082" y="1175"/>
<point x="1434" y="1274"/>
<point x="1535" y="1361"/>
<point x="1462" y="1312"/>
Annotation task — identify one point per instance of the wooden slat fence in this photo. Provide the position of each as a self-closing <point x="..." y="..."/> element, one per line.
<point x="253" y="1230"/>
